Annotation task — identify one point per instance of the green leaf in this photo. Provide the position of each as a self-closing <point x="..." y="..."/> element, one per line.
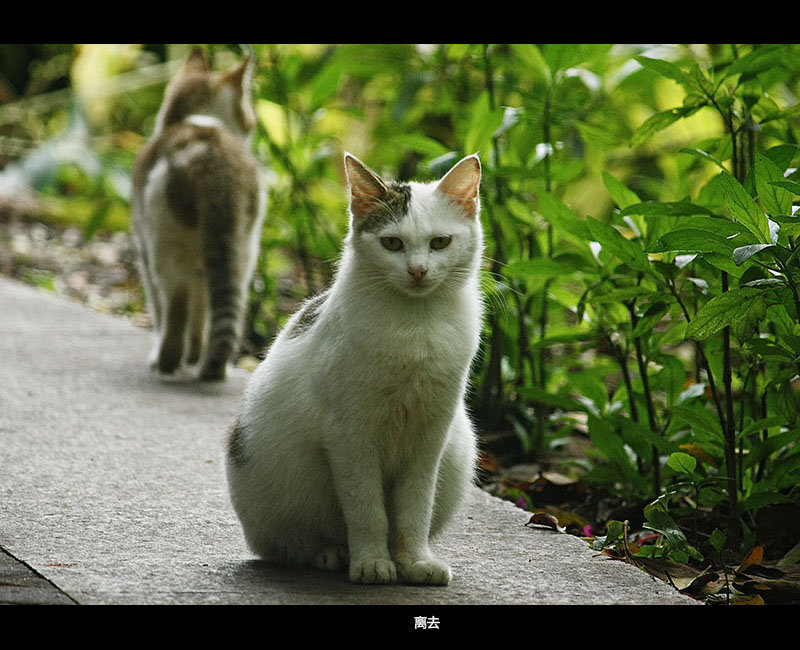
<point x="718" y="540"/>
<point x="660" y="121"/>
<point x="771" y="351"/>
<point x="642" y="439"/>
<point x="590" y="387"/>
<point x="682" y="462"/>
<point x="325" y="84"/>
<point x="756" y="61"/>
<point x="701" y="80"/>
<point x="614" y="531"/>
<point x="693" y="240"/>
<point x="703" y="422"/>
<point x="782" y="155"/>
<point x="540" y="267"/>
<point x="483" y="123"/>
<point x="776" y="200"/>
<point x="531" y="58"/>
<point x="741" y="309"/>
<point x="612" y="241"/>
<point x="665" y="209"/>
<point x="787" y="403"/>
<point x="563" y="218"/>
<point x="609" y="443"/>
<point x="620" y="193"/>
<point x="660" y="521"/>
<point x="790" y="226"/>
<point x="791" y="186"/>
<point x="672" y="376"/>
<point x="699" y="153"/>
<point x="729" y="229"/>
<point x="622" y="294"/>
<point x="667" y="69"/>
<point x="549" y="399"/>
<point x="744" y="208"/>
<point x="423" y="144"/>
<point x="651" y="317"/>
<point x="761" y="499"/>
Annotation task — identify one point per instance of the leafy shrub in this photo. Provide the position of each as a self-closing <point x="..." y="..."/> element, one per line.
<point x="642" y="260"/>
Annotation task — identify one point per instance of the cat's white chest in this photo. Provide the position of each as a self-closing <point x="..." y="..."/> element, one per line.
<point x="408" y="380"/>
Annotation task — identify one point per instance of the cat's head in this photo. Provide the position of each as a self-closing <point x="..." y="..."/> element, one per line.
<point x="416" y="237"/>
<point x="197" y="90"/>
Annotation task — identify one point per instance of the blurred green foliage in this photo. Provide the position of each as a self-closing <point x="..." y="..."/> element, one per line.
<point x="642" y="257"/>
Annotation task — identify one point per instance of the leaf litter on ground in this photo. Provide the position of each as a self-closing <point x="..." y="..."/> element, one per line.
<point x="563" y="504"/>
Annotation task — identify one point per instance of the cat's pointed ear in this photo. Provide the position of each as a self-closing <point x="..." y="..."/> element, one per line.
<point x="197" y="61"/>
<point x="461" y="184"/>
<point x="240" y="77"/>
<point x="366" y="187"/>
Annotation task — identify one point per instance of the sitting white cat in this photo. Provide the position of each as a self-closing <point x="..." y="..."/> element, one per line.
<point x="354" y="444"/>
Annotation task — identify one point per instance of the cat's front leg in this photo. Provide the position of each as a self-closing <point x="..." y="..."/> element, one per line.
<point x="413" y="506"/>
<point x="360" y="493"/>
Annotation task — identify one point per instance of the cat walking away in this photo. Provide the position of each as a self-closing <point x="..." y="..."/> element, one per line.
<point x="197" y="210"/>
<point x="353" y="446"/>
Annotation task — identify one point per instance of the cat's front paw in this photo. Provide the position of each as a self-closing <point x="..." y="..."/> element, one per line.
<point x="373" y="571"/>
<point x="426" y="572"/>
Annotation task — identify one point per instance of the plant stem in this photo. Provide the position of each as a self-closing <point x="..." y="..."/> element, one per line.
<point x="729" y="424"/>
<point x="622" y="359"/>
<point x="543" y="315"/>
<point x="730" y="433"/>
<point x="648" y="396"/>
<point x="712" y="384"/>
<point x="493" y="382"/>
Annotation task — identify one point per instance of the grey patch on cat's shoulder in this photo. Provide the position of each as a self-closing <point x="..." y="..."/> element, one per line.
<point x="390" y="206"/>
<point x="236" y="447"/>
<point x="308" y="314"/>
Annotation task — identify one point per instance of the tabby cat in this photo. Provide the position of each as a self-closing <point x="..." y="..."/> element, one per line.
<point x="197" y="209"/>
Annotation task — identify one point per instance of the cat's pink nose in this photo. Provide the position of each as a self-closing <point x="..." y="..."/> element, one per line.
<point x="417" y="272"/>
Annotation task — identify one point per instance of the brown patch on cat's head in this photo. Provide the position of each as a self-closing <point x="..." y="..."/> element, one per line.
<point x="373" y="202"/>
<point x="461" y="184"/>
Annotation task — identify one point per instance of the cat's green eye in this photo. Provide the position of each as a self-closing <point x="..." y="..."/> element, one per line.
<point x="392" y="243"/>
<point x="438" y="243"/>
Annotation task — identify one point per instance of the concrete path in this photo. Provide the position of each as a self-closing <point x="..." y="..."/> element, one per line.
<point x="112" y="491"/>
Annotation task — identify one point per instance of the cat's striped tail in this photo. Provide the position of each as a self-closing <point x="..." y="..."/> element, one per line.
<point x="226" y="290"/>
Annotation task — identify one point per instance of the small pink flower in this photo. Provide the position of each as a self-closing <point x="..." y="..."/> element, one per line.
<point x="587" y="530"/>
<point x="521" y="503"/>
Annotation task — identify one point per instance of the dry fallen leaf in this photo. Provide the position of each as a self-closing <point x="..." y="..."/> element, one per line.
<point x="546" y="519"/>
<point x="747" y="599"/>
<point x="755" y="556"/>
<point x="775" y="586"/>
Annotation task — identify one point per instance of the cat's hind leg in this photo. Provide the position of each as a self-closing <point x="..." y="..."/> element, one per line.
<point x="170" y="351"/>
<point x="456" y="473"/>
<point x="198" y="319"/>
<point x="332" y="558"/>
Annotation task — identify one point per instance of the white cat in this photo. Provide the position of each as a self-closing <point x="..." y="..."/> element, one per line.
<point x="197" y="209"/>
<point x="354" y="443"/>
